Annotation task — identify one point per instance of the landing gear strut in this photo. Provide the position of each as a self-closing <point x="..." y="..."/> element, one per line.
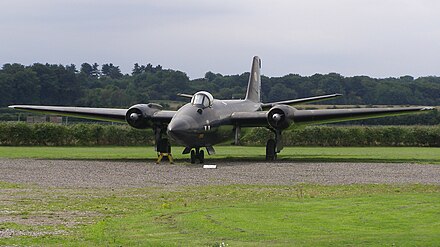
<point x="163" y="146"/>
<point x="271" y="153"/>
<point x="274" y="146"/>
<point x="197" y="154"/>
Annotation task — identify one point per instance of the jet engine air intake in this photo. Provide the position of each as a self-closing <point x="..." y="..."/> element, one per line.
<point x="280" y="116"/>
<point x="139" y="116"/>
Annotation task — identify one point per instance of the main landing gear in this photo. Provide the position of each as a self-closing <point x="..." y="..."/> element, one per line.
<point x="163" y="146"/>
<point x="163" y="149"/>
<point x="271" y="153"/>
<point x="274" y="146"/>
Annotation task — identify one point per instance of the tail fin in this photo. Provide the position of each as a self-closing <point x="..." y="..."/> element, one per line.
<point x="254" y="85"/>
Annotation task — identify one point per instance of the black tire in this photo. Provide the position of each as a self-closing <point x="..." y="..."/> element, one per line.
<point x="201" y="156"/>
<point x="193" y="157"/>
<point x="270" y="150"/>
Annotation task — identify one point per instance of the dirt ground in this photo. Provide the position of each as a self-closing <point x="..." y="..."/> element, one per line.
<point x="136" y="174"/>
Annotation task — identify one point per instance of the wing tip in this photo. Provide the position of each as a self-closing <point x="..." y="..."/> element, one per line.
<point x="18" y="106"/>
<point x="427" y="108"/>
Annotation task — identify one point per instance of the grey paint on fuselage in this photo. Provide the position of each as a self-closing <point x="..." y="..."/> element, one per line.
<point x="195" y="126"/>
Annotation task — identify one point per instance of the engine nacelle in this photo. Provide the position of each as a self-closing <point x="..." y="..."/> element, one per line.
<point x="280" y="116"/>
<point x="139" y="116"/>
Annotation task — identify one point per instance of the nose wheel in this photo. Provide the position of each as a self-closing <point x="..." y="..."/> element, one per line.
<point x="197" y="154"/>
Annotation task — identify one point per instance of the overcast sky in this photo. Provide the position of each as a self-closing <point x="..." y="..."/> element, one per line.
<point x="379" y="38"/>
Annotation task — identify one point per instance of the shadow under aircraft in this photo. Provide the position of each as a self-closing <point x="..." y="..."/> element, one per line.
<point x="206" y="121"/>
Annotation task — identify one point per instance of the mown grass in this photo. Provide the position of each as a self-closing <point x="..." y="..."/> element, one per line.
<point x="237" y="215"/>
<point x="304" y="154"/>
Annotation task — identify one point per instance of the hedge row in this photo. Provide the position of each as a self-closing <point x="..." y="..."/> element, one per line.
<point x="325" y="136"/>
<point x="47" y="134"/>
<point x="22" y="134"/>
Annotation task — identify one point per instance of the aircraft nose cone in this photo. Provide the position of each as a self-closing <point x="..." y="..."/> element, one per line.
<point x="178" y="129"/>
<point x="183" y="129"/>
<point x="177" y="126"/>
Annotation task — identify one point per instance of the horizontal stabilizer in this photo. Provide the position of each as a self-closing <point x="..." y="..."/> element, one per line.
<point x="185" y="95"/>
<point x="300" y="101"/>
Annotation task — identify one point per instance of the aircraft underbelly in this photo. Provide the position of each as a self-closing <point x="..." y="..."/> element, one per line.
<point x="209" y="136"/>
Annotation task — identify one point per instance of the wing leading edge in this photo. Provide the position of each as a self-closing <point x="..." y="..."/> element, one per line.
<point x="303" y="117"/>
<point x="340" y="115"/>
<point x="103" y="114"/>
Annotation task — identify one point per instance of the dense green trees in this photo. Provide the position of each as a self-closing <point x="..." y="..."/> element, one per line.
<point x="111" y="71"/>
<point x="19" y="83"/>
<point x="105" y="85"/>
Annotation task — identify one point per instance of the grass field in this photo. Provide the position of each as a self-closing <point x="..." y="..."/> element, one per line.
<point x="233" y="215"/>
<point x="325" y="154"/>
<point x="300" y="215"/>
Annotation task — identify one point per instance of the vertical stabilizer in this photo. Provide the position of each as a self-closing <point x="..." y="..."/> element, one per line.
<point x="254" y="85"/>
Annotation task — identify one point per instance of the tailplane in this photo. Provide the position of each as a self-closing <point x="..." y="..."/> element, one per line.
<point x="254" y="85"/>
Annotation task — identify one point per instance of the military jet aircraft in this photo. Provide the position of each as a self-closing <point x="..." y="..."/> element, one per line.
<point x="207" y="121"/>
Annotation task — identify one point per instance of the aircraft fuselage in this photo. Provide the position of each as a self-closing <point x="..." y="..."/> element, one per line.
<point x="197" y="126"/>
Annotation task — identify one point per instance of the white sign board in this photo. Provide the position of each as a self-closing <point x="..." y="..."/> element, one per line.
<point x="210" y="166"/>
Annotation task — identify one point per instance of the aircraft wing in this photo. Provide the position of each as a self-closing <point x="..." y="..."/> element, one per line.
<point x="341" y="115"/>
<point x="301" y="101"/>
<point x="104" y="114"/>
<point x="303" y="117"/>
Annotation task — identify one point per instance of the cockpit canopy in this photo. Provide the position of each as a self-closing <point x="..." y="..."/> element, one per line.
<point x="203" y="99"/>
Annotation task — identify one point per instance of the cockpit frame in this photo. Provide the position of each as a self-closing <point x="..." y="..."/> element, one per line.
<point x="202" y="99"/>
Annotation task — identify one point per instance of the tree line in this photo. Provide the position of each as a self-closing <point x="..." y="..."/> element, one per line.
<point x="105" y="86"/>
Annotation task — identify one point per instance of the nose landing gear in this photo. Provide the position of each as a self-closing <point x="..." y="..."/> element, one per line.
<point x="197" y="154"/>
